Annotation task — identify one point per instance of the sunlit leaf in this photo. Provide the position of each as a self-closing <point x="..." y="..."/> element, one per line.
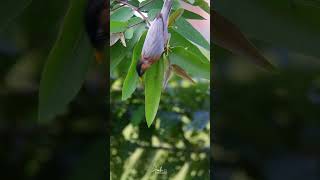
<point x="132" y="79"/>
<point x="153" y="87"/>
<point x="118" y="26"/>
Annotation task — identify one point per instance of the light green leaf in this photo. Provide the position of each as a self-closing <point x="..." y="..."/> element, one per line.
<point x="190" y="62"/>
<point x="132" y="79"/>
<point x="118" y="26"/>
<point x="129" y="33"/>
<point x="67" y="64"/>
<point x="122" y="14"/>
<point x="184" y="28"/>
<point x="138" y="31"/>
<point x="153" y="13"/>
<point x="150" y="4"/>
<point x="153" y="87"/>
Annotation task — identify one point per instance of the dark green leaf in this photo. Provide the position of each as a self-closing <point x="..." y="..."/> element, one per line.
<point x="137" y="116"/>
<point x="116" y="55"/>
<point x="10" y="9"/>
<point x="228" y="36"/>
<point x="295" y="27"/>
<point x="191" y="15"/>
<point x="66" y="66"/>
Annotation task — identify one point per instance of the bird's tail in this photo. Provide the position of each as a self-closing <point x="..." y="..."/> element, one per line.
<point x="166" y="8"/>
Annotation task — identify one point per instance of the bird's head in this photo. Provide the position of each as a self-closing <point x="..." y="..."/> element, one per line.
<point x="142" y="66"/>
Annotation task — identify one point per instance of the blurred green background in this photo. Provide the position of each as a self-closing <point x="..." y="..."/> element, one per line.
<point x="178" y="143"/>
<point x="74" y="145"/>
<point x="266" y="126"/>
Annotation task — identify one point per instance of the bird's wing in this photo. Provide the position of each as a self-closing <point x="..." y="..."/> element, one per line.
<point x="153" y="45"/>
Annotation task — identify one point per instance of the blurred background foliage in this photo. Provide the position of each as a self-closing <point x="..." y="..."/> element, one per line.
<point x="177" y="145"/>
<point x="72" y="145"/>
<point x="266" y="125"/>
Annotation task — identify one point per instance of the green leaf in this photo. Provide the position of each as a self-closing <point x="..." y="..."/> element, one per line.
<point x="191" y="15"/>
<point x="138" y="31"/>
<point x="178" y="40"/>
<point x="153" y="87"/>
<point x="118" y="26"/>
<point x="129" y="33"/>
<point x="175" y="16"/>
<point x="190" y="62"/>
<point x="122" y="14"/>
<point x="147" y="5"/>
<point x="153" y="13"/>
<point x="116" y="55"/>
<point x="132" y="79"/>
<point x="67" y="65"/>
<point x="184" y="28"/>
<point x="203" y="5"/>
<point x="11" y="9"/>
<point x="228" y="36"/>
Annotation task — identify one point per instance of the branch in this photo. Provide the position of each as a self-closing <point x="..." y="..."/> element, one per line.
<point x="135" y="9"/>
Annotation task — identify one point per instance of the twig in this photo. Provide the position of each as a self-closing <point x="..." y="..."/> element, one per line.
<point x="118" y="7"/>
<point x="135" y="9"/>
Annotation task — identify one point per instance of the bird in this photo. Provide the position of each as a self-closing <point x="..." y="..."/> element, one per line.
<point x="96" y="24"/>
<point x="156" y="39"/>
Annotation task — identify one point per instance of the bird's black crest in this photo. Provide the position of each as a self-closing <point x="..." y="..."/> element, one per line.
<point x="139" y="69"/>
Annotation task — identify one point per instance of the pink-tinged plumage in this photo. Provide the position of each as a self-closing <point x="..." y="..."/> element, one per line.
<point x="156" y="39"/>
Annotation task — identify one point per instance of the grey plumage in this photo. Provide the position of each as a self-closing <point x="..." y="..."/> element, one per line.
<point x="156" y="39"/>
